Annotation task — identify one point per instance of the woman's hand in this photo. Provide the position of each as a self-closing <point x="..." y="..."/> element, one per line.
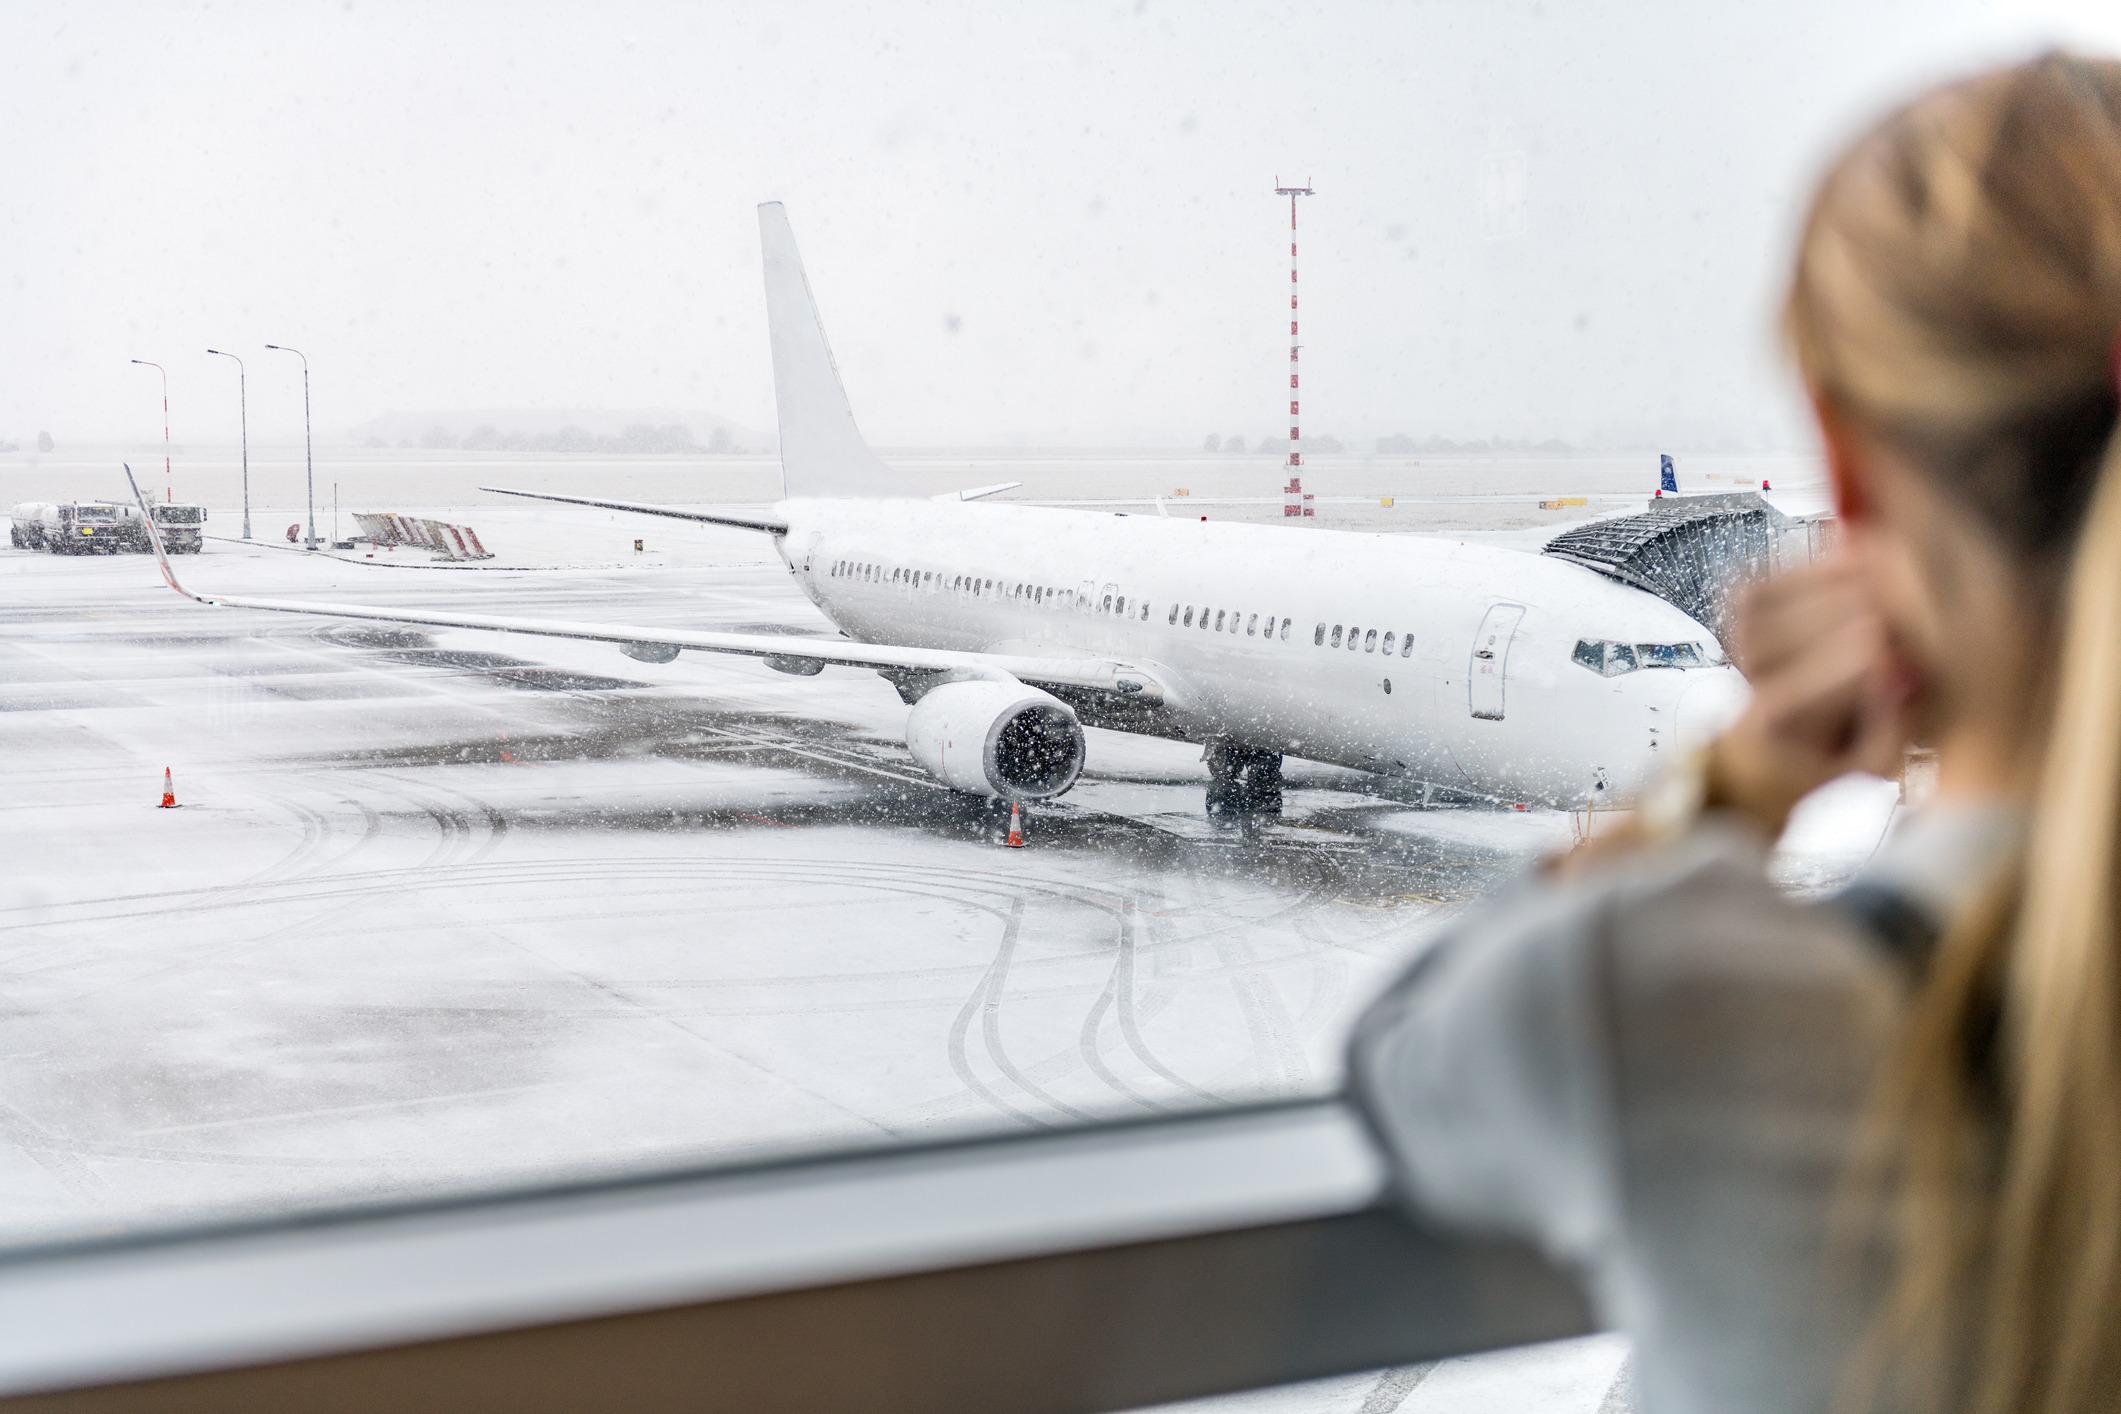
<point x="1829" y="694"/>
<point x="1829" y="697"/>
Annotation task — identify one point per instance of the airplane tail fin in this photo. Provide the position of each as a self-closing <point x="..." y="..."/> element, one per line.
<point x="822" y="451"/>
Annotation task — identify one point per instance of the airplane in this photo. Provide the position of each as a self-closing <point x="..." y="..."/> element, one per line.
<point x="1006" y="628"/>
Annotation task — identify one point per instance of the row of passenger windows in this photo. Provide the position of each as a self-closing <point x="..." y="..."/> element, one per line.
<point x="1226" y="621"/>
<point x="1364" y="639"/>
<point x="1042" y="595"/>
<point x="1611" y="659"/>
<point x="1182" y="615"/>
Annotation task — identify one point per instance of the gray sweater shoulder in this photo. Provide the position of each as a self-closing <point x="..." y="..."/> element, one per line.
<point x="1654" y="1075"/>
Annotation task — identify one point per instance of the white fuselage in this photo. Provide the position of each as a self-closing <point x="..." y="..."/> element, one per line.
<point x="1488" y="699"/>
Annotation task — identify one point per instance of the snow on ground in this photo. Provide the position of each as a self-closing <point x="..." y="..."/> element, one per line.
<point x="440" y="909"/>
<point x="443" y="908"/>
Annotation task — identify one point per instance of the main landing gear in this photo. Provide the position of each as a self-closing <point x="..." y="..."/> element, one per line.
<point x="1244" y="784"/>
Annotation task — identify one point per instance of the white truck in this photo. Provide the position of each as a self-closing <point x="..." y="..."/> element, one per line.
<point x="180" y="523"/>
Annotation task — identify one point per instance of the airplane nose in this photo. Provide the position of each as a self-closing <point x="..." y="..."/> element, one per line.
<point x="1710" y="701"/>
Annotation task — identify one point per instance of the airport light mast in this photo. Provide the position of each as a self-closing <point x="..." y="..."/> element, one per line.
<point x="243" y="422"/>
<point x="1295" y="502"/>
<point x="168" y="482"/>
<point x="309" y="460"/>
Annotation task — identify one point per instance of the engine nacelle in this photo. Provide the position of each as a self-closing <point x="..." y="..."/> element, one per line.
<point x="650" y="652"/>
<point x="999" y="739"/>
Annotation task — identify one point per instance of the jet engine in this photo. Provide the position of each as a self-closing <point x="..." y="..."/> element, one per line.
<point x="999" y="739"/>
<point x="650" y="652"/>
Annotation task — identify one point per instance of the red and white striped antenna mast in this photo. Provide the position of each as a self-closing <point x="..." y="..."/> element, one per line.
<point x="1295" y="500"/>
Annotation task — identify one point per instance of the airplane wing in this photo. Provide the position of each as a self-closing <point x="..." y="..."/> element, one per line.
<point x="1096" y="674"/>
<point x="746" y="520"/>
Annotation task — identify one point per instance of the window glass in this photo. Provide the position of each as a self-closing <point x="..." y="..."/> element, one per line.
<point x="1661" y="655"/>
<point x="789" y="820"/>
<point x="1591" y="654"/>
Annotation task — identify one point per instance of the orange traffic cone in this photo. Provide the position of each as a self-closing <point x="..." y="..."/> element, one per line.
<point x="1016" y="826"/>
<point x="169" y="791"/>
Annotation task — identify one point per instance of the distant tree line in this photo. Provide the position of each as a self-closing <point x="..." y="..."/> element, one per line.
<point x="1400" y="444"/>
<point x="1269" y="443"/>
<point x="640" y="438"/>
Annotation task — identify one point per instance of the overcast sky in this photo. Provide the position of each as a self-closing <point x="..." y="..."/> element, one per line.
<point x="1045" y="224"/>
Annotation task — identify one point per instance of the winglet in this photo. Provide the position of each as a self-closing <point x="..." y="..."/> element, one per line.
<point x="976" y="493"/>
<point x="822" y="451"/>
<point x="154" y="537"/>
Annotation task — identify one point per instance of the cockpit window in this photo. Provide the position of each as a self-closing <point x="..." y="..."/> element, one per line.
<point x="1611" y="659"/>
<point x="1667" y="655"/>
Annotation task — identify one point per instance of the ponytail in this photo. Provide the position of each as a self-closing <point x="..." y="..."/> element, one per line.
<point x="2054" y="1308"/>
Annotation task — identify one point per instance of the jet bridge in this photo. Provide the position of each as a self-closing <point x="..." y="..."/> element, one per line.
<point x="1695" y="552"/>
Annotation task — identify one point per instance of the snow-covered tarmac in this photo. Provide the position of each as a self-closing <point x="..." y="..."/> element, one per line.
<point x="440" y="909"/>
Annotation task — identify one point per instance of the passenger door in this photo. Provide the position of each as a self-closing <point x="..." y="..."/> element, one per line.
<point x="1491" y="659"/>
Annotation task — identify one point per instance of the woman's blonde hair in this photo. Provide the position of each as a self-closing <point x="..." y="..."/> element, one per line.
<point x="1958" y="296"/>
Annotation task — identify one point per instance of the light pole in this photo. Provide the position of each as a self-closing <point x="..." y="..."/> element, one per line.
<point x="243" y="416"/>
<point x="309" y="460"/>
<point x="167" y="491"/>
